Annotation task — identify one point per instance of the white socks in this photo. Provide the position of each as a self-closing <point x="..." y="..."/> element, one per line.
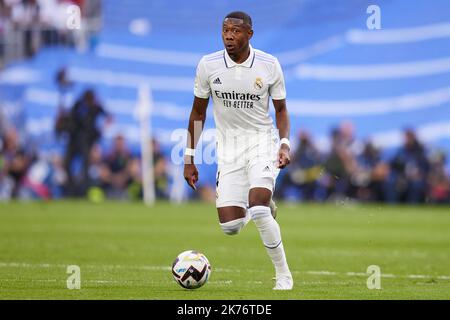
<point x="234" y="226"/>
<point x="269" y="231"/>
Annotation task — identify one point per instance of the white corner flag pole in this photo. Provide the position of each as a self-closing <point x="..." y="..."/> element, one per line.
<point x="144" y="111"/>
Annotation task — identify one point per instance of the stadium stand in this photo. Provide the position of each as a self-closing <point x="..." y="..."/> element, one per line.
<point x="380" y="81"/>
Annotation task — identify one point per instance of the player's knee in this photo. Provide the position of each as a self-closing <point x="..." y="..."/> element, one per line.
<point x="258" y="202"/>
<point x="232" y="227"/>
<point x="261" y="194"/>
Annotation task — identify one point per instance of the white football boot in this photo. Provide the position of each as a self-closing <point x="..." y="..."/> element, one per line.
<point x="284" y="282"/>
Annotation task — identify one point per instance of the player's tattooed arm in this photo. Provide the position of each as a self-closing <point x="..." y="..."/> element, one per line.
<point x="195" y="128"/>
<point x="283" y="125"/>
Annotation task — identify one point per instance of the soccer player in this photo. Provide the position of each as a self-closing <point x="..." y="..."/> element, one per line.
<point x="250" y="154"/>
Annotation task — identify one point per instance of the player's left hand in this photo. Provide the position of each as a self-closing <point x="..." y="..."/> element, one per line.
<point x="283" y="156"/>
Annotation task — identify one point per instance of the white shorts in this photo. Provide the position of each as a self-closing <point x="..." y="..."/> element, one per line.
<point x="233" y="181"/>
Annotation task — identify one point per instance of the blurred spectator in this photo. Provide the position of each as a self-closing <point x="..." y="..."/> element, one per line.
<point x="438" y="180"/>
<point x="25" y="16"/>
<point x="135" y="187"/>
<point x="340" y="163"/>
<point x="5" y="15"/>
<point x="117" y="162"/>
<point x="370" y="175"/>
<point x="83" y="133"/>
<point x="3" y="126"/>
<point x="119" y="174"/>
<point x="5" y="26"/>
<point x="27" y="25"/>
<point x="63" y="83"/>
<point x="207" y="193"/>
<point x="410" y="168"/>
<point x="304" y="171"/>
<point x="6" y="183"/>
<point x="79" y="3"/>
<point x="91" y="11"/>
<point x="51" y="17"/>
<point x="98" y="171"/>
<point x="59" y="176"/>
<point x="16" y="161"/>
<point x="160" y="171"/>
<point x="44" y="179"/>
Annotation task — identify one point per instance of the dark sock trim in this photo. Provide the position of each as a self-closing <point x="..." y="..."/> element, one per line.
<point x="274" y="246"/>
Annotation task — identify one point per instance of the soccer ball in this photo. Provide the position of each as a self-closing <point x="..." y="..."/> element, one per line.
<point x="191" y="269"/>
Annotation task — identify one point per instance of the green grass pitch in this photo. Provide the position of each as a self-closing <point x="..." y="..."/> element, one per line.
<point x="125" y="251"/>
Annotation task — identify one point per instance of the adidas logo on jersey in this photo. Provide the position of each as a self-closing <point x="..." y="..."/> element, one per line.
<point x="266" y="169"/>
<point x="217" y="81"/>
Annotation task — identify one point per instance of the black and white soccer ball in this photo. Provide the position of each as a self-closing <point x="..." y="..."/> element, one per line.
<point x="191" y="269"/>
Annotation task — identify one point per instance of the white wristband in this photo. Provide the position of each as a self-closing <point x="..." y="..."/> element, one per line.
<point x="189" y="152"/>
<point x="286" y="142"/>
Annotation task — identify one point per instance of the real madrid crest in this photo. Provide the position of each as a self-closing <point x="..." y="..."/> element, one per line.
<point x="258" y="83"/>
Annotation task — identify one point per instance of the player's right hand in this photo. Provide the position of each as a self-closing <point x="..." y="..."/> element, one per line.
<point x="191" y="175"/>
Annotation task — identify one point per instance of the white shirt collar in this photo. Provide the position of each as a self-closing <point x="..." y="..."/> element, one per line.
<point x="247" y="63"/>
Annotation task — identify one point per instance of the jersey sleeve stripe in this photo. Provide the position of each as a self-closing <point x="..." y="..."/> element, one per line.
<point x="266" y="60"/>
<point x="263" y="56"/>
<point x="213" y="57"/>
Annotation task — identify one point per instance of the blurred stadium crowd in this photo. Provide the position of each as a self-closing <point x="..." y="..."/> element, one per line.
<point x="349" y="170"/>
<point x="357" y="170"/>
<point x="84" y="169"/>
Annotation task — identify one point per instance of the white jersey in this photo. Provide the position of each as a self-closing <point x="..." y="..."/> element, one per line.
<point x="240" y="94"/>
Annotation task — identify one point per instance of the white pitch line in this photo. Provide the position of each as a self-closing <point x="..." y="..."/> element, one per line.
<point x="362" y="274"/>
<point x="325" y="273"/>
<point x="93" y="266"/>
<point x="167" y="268"/>
<point x="217" y="282"/>
<point x="417" y="276"/>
